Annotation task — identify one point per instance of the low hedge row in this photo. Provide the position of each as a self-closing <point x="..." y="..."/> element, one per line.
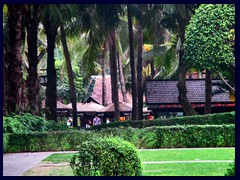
<point x="188" y="136"/>
<point x="217" y="118"/>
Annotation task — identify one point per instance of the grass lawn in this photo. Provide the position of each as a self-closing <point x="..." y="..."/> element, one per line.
<point x="159" y="162"/>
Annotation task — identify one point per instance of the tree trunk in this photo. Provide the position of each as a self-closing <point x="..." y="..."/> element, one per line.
<point x="121" y="78"/>
<point x="51" y="97"/>
<point x="113" y="72"/>
<point x="133" y="67"/>
<point x="183" y="18"/>
<point x="70" y="75"/>
<point x="152" y="68"/>
<point x="33" y="83"/>
<point x="182" y="89"/>
<point x="16" y="94"/>
<point x="103" y="78"/>
<point x="139" y="73"/>
<point x="208" y="92"/>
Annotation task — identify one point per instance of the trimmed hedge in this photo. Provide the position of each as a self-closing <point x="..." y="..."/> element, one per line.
<point x="217" y="118"/>
<point x="151" y="137"/>
<point x="106" y="157"/>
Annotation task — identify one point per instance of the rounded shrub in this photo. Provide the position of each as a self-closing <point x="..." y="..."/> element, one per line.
<point x="106" y="157"/>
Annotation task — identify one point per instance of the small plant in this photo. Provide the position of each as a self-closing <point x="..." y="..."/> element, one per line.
<point x="106" y="157"/>
<point x="231" y="170"/>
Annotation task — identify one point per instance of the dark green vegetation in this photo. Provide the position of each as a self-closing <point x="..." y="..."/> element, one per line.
<point x="27" y="123"/>
<point x="231" y="170"/>
<point x="106" y="157"/>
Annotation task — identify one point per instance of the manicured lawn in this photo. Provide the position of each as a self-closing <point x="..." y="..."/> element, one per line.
<point x="185" y="169"/>
<point x="160" y="162"/>
<point x="187" y="154"/>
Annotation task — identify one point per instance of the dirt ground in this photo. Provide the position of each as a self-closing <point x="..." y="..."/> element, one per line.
<point x="50" y="169"/>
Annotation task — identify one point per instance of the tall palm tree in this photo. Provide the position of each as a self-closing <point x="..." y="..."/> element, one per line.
<point x="51" y="15"/>
<point x="132" y="62"/>
<point x="16" y="94"/>
<point x="32" y="15"/>
<point x="70" y="74"/>
<point x="120" y="69"/>
<point x="139" y="71"/>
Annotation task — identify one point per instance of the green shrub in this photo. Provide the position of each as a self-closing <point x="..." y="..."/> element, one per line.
<point x="27" y="123"/>
<point x="231" y="170"/>
<point x="217" y="118"/>
<point x="106" y="157"/>
<point x="5" y="141"/>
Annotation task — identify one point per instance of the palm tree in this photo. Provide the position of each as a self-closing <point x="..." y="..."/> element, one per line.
<point x="32" y="15"/>
<point x="51" y="15"/>
<point x="139" y="71"/>
<point x="16" y="93"/>
<point x="70" y="75"/>
<point x="132" y="62"/>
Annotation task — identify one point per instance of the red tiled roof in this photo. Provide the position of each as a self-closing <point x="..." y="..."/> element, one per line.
<point x="97" y="91"/>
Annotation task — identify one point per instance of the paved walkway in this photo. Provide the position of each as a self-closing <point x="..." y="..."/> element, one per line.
<point x="15" y="164"/>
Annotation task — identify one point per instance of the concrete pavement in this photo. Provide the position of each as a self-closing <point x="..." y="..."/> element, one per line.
<point x="15" y="164"/>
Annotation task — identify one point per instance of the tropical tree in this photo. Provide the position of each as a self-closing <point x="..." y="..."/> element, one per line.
<point x="50" y="19"/>
<point x="32" y="18"/>
<point x="209" y="44"/>
<point x="132" y="62"/>
<point x="17" y="101"/>
<point x="70" y="74"/>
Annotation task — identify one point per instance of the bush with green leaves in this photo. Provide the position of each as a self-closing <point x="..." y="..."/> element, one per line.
<point x="27" y="123"/>
<point x="188" y="136"/>
<point x="210" y="37"/>
<point x="106" y="157"/>
<point x="231" y="171"/>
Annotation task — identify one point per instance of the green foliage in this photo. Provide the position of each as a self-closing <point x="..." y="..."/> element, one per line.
<point x="106" y="157"/>
<point x="218" y="118"/>
<point x="188" y="136"/>
<point x="231" y="170"/>
<point x="63" y="90"/>
<point x="27" y="123"/>
<point x="210" y="37"/>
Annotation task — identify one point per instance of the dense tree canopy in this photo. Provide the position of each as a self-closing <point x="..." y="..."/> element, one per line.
<point x="210" y="36"/>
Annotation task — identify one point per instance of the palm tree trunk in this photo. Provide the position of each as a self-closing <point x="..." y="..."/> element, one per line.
<point x="139" y="72"/>
<point x="152" y="68"/>
<point x="120" y="70"/>
<point x="103" y="78"/>
<point x="70" y="75"/>
<point x="33" y="83"/>
<point x="208" y="92"/>
<point x="113" y="72"/>
<point x="51" y="95"/>
<point x="16" y="94"/>
<point x="133" y="67"/>
<point x="121" y="78"/>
